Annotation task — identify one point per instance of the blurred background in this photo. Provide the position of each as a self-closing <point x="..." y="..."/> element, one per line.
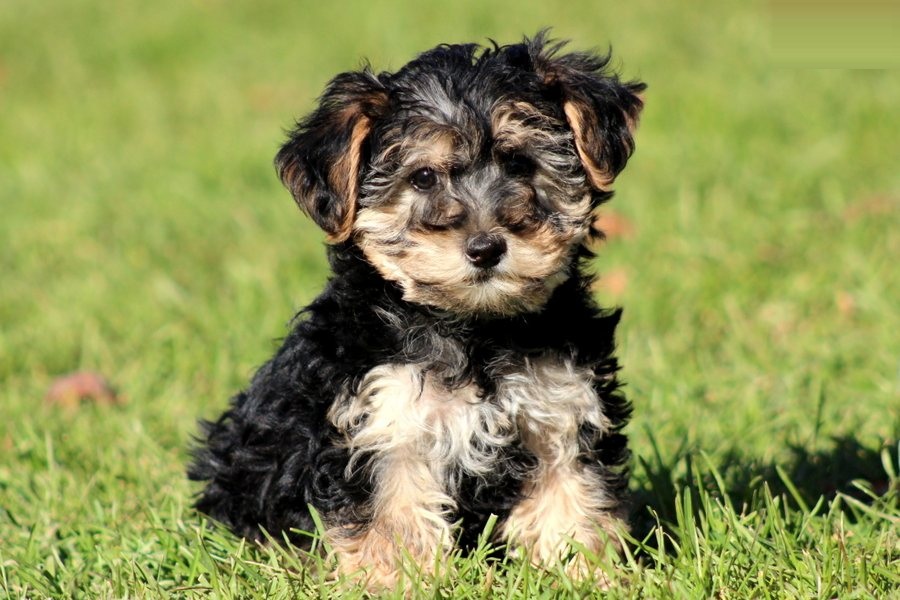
<point x="754" y="238"/>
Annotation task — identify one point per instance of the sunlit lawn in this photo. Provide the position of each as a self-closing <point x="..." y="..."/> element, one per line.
<point x="144" y="235"/>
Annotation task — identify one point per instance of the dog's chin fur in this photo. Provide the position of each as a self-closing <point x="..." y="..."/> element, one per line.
<point x="428" y="388"/>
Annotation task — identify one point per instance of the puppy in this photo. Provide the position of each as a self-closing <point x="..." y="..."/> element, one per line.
<point x="456" y="365"/>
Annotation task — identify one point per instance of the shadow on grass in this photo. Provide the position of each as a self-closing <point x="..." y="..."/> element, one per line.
<point x="847" y="467"/>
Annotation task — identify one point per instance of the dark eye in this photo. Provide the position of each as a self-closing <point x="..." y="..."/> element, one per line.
<point x="518" y="165"/>
<point x="423" y="179"/>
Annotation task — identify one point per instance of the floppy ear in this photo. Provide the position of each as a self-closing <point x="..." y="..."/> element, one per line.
<point x="601" y="110"/>
<point x="320" y="162"/>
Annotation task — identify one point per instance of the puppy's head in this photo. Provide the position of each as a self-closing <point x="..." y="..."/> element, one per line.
<point x="469" y="176"/>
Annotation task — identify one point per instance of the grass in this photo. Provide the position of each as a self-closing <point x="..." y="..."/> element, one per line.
<point x="145" y="236"/>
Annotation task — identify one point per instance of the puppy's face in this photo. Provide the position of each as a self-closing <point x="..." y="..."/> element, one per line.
<point x="468" y="177"/>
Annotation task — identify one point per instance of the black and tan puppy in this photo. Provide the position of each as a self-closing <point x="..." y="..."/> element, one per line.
<point x="456" y="365"/>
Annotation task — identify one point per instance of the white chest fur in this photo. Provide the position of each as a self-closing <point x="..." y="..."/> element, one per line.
<point x="405" y="411"/>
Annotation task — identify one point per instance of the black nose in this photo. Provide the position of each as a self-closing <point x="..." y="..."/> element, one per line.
<point x="485" y="250"/>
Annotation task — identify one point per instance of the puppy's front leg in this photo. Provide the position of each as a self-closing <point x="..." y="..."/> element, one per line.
<point x="563" y="503"/>
<point x="565" y="498"/>
<point x="384" y="426"/>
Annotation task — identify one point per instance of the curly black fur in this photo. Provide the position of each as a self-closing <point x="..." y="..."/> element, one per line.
<point x="271" y="454"/>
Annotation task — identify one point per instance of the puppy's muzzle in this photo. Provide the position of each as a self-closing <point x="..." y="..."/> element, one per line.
<point x="485" y="250"/>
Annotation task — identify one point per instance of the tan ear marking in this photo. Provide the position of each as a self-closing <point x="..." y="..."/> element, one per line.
<point x="343" y="178"/>
<point x="599" y="177"/>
